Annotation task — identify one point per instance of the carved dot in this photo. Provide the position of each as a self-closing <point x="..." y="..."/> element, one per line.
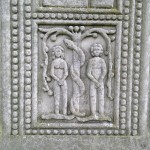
<point x="28" y="37"/>
<point x="135" y="114"/>
<point x="69" y="132"/>
<point x="136" y="76"/>
<point x="53" y="16"/>
<point x="27" y="45"/>
<point x="15" y="24"/>
<point x="15" y="120"/>
<point x="126" y="25"/>
<point x="15" y="100"/>
<point x="15" y="46"/>
<point x="40" y="15"/>
<point x="65" y="16"/>
<point x="123" y="95"/>
<point x="135" y="107"/>
<point x="77" y="16"/>
<point x="15" y="126"/>
<point x="34" y="15"/>
<point x="125" y="47"/>
<point x="27" y="120"/>
<point x="27" y="15"/>
<point x="109" y="132"/>
<point x="102" y="132"/>
<point x="28" y="88"/>
<point x="123" y="108"/>
<point x="123" y="88"/>
<point x="15" y="114"/>
<point x="124" y="68"/>
<point x="124" y="61"/>
<point x="14" y="9"/>
<point x="28" y="95"/>
<point x="28" y="30"/>
<point x="135" y="120"/>
<point x="34" y="132"/>
<point x="116" y="132"/>
<point x="139" y="5"/>
<point x="102" y="17"/>
<point x="138" y="48"/>
<point x="137" y="61"/>
<point x="138" y="41"/>
<point x="27" y="114"/>
<point x="28" y="81"/>
<point x="139" y="13"/>
<point x="15" y="74"/>
<point x="15" y="17"/>
<point x="27" y="67"/>
<point x="126" y="10"/>
<point x="135" y="101"/>
<point x="124" y="54"/>
<point x="14" y="2"/>
<point x="75" y="132"/>
<point x="95" y="132"/>
<point x="27" y="2"/>
<point x="55" y="132"/>
<point x="28" y="73"/>
<point x="27" y="126"/>
<point x="82" y="132"/>
<point x="135" y="126"/>
<point x="15" y="81"/>
<point x="28" y="59"/>
<point x="123" y="126"/>
<point x="42" y="132"/>
<point x="136" y="88"/>
<point x="134" y="132"/>
<point x="123" y="102"/>
<point x="96" y="16"/>
<point x="15" y="60"/>
<point x="125" y="40"/>
<point x="28" y="8"/>
<point x="123" y="115"/>
<point x="76" y="28"/>
<point x="123" y="121"/>
<point x="120" y="17"/>
<point x="108" y="17"/>
<point x="62" y="132"/>
<point x="114" y="17"/>
<point x="15" y="132"/>
<point x="138" y="34"/>
<point x="14" y="32"/>
<point x="28" y="52"/>
<point x="135" y="94"/>
<point x="28" y="102"/>
<point x="70" y="16"/>
<point x="28" y="22"/>
<point x="124" y="81"/>
<point x="124" y="75"/>
<point x="139" y="20"/>
<point x="59" y="16"/>
<point x="126" y="17"/>
<point x="15" y="39"/>
<point x="122" y="132"/>
<point x="89" y="132"/>
<point x="28" y="132"/>
<point x="125" y="32"/>
<point x="48" y="131"/>
<point x="28" y="108"/>
<point x="15" y="88"/>
<point x="15" y="107"/>
<point x="126" y="3"/>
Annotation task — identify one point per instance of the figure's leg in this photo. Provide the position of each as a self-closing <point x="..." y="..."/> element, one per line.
<point x="56" y="96"/>
<point x="64" y="93"/>
<point x="93" y="96"/>
<point x="101" y="98"/>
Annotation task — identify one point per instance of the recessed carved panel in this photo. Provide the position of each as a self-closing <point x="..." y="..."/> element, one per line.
<point x="81" y="70"/>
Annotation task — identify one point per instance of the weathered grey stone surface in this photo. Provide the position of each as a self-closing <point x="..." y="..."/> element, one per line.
<point x="74" y="75"/>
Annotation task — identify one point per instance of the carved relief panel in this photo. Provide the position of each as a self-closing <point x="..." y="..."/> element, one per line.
<point x="81" y="67"/>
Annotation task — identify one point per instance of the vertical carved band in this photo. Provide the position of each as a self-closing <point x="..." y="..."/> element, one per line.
<point x="15" y="67"/>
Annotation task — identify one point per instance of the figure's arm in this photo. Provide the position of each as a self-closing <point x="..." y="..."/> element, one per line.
<point x="104" y="70"/>
<point x="52" y="72"/>
<point x="65" y="71"/>
<point x="89" y="74"/>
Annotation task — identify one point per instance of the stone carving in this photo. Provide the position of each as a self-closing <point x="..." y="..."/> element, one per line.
<point x="96" y="72"/>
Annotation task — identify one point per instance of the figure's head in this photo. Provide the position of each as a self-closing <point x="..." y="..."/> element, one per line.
<point x="96" y="50"/>
<point x="58" y="52"/>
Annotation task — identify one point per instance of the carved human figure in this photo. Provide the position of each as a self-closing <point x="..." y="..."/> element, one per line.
<point x="96" y="71"/>
<point x="59" y="72"/>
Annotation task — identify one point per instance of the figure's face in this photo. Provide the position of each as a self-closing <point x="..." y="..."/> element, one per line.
<point x="97" y="51"/>
<point x="58" y="53"/>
